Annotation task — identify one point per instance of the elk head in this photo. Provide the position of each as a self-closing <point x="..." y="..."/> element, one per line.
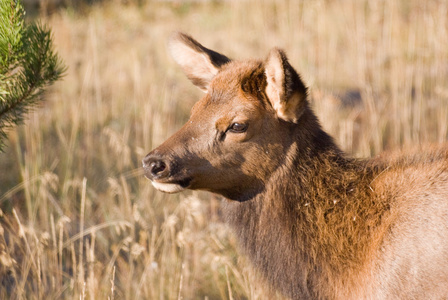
<point x="239" y="133"/>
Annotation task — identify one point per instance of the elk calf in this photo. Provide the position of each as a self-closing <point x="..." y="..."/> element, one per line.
<point x="315" y="223"/>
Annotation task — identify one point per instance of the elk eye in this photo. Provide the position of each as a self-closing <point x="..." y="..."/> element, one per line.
<point x="238" y="127"/>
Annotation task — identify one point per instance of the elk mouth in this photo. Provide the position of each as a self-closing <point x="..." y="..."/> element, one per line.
<point x="164" y="174"/>
<point x="172" y="186"/>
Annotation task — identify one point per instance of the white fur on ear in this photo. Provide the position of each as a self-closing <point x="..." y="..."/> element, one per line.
<point x="196" y="65"/>
<point x="284" y="89"/>
<point x="199" y="63"/>
<point x="275" y="79"/>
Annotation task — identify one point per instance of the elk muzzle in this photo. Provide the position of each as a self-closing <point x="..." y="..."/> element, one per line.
<point x="155" y="167"/>
<point x="162" y="174"/>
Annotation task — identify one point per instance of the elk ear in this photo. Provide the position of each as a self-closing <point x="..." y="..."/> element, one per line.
<point x="199" y="63"/>
<point x="285" y="90"/>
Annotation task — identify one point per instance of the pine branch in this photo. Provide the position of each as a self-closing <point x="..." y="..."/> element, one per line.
<point x="27" y="65"/>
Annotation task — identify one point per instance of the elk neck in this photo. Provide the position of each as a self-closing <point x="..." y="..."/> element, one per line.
<point x="316" y="211"/>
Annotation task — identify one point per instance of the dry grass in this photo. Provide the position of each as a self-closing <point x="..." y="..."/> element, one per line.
<point x="78" y="218"/>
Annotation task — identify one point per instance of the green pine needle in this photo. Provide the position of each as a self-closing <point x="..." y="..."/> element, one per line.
<point x="28" y="65"/>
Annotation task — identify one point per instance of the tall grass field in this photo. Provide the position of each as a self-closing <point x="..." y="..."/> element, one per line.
<point x="78" y="220"/>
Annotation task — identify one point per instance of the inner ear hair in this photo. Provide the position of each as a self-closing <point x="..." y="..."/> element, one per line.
<point x="285" y="89"/>
<point x="199" y="63"/>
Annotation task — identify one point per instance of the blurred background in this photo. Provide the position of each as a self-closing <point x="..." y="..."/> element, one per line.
<point x="79" y="220"/>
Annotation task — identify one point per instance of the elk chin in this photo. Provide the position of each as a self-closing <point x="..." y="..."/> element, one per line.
<point x="170" y="188"/>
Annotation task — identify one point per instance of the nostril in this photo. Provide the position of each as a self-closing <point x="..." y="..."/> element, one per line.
<point x="157" y="167"/>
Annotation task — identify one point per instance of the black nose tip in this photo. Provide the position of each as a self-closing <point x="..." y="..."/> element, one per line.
<point x="155" y="167"/>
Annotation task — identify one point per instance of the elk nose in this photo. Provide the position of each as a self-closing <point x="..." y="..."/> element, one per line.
<point x="155" y="167"/>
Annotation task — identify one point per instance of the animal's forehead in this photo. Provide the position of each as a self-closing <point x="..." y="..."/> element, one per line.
<point x="222" y="102"/>
<point x="233" y="73"/>
<point x="227" y="84"/>
<point x="225" y="92"/>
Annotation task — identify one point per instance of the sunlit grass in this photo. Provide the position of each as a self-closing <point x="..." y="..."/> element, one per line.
<point x="79" y="220"/>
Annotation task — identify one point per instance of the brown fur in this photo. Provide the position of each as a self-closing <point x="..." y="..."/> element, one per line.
<point x="315" y="223"/>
